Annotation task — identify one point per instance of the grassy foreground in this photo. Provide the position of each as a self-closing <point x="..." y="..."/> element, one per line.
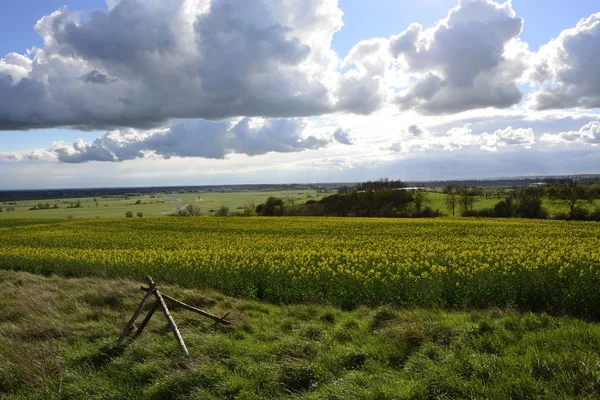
<point x="57" y="340"/>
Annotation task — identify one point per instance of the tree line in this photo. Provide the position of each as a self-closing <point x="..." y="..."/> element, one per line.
<point x="577" y="196"/>
<point x="382" y="198"/>
<point x="392" y="199"/>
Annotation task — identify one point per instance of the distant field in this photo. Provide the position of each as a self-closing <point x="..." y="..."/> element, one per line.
<point x="164" y="204"/>
<point x="539" y="265"/>
<point x="159" y="205"/>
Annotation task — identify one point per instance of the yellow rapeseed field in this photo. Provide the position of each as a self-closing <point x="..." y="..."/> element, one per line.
<point x="538" y="265"/>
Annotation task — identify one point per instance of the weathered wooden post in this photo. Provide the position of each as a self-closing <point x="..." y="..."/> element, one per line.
<point x="171" y="322"/>
<point x="130" y="325"/>
<point x="160" y="303"/>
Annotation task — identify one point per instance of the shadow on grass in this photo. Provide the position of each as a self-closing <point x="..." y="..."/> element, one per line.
<point x="103" y="355"/>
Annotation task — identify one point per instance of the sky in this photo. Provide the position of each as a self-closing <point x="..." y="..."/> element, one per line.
<point x="191" y="92"/>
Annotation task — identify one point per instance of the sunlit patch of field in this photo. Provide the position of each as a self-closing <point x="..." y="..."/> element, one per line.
<point x="150" y="205"/>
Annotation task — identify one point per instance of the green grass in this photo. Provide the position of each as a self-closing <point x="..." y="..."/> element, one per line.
<point x="437" y="202"/>
<point x="115" y="207"/>
<point x="57" y="341"/>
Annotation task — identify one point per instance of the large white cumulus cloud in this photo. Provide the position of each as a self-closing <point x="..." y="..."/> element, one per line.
<point x="471" y="59"/>
<point x="588" y="134"/>
<point x="567" y="68"/>
<point x="141" y="63"/>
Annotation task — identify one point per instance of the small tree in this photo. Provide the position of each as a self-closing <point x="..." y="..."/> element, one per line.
<point x="139" y="201"/>
<point x="505" y="208"/>
<point x="129" y="214"/>
<point x="451" y="192"/>
<point x="273" y="206"/>
<point x="140" y="214"/>
<point x="0" y="209"/>
<point x="419" y="197"/>
<point x="570" y="192"/>
<point x="465" y="198"/>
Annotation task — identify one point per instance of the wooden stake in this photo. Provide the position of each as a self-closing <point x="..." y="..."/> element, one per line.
<point x="220" y="320"/>
<point x="155" y="307"/>
<point x="160" y="303"/>
<point x="198" y="311"/>
<point x="171" y="322"/>
<point x="136" y="314"/>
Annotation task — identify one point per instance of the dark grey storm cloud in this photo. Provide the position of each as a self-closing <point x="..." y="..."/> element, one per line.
<point x="463" y="63"/>
<point x="189" y="139"/>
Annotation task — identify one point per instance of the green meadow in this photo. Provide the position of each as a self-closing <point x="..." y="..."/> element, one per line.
<point x="160" y="204"/>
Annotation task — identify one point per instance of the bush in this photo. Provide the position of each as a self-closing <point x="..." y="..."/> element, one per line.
<point x="189" y="211"/>
<point x="223" y="211"/>
<point x="427" y="212"/>
<point x="129" y="214"/>
<point x="531" y="207"/>
<point x="140" y="214"/>
<point x="580" y="214"/>
<point x="485" y="213"/>
<point x="504" y="209"/>
<point x="249" y="210"/>
<point x="273" y="207"/>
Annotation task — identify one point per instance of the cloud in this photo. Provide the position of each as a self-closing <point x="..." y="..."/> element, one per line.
<point x="471" y="59"/>
<point x="461" y="137"/>
<point x="508" y="137"/>
<point x="96" y="77"/>
<point x="140" y="63"/>
<point x="567" y="68"/>
<point x="395" y="147"/>
<point x="544" y="123"/>
<point x="588" y="134"/>
<point x="364" y="87"/>
<point x="343" y="136"/>
<point x="204" y="139"/>
<point x="417" y="131"/>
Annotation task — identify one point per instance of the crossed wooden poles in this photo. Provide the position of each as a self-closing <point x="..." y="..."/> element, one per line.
<point x="160" y="303"/>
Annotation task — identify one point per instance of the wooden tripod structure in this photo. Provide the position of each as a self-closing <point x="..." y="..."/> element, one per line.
<point x="160" y="303"/>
